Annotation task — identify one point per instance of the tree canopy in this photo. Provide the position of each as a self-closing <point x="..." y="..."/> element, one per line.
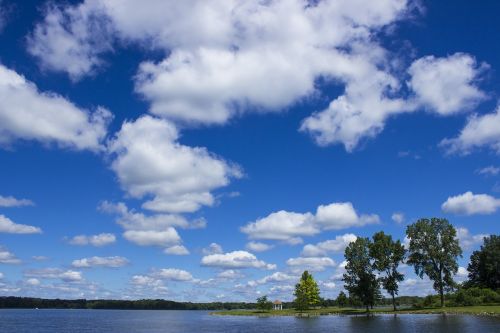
<point x="484" y="266"/>
<point x="387" y="255"/>
<point x="359" y="278"/>
<point x="433" y="251"/>
<point x="306" y="292"/>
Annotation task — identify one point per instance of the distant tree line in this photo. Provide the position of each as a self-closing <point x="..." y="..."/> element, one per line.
<point x="145" y="304"/>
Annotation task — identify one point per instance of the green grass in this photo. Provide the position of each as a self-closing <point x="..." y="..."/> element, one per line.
<point x="493" y="310"/>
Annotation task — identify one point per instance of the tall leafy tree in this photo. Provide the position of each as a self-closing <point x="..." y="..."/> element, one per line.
<point x="264" y="304"/>
<point x="306" y="292"/>
<point x="433" y="251"/>
<point x="342" y="299"/>
<point x="359" y="278"/>
<point x="484" y="266"/>
<point x="387" y="255"/>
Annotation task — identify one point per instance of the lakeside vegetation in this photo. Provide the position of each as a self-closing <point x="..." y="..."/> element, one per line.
<point x="487" y="310"/>
<point x="433" y="251"/>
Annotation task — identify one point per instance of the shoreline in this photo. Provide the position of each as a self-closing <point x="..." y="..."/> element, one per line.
<point x="480" y="310"/>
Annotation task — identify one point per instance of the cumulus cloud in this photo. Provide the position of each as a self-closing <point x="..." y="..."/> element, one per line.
<point x="336" y="245"/>
<point x="283" y="226"/>
<point x="173" y="274"/>
<point x="150" y="230"/>
<point x="33" y="282"/>
<point x="230" y="274"/>
<point x="258" y="246"/>
<point x="7" y="257"/>
<point x="469" y="203"/>
<point x="179" y="178"/>
<point x="467" y="240"/>
<point x="28" y="114"/>
<point x="315" y="264"/>
<point x="480" y="131"/>
<point x="177" y="250"/>
<point x="398" y="217"/>
<point x="55" y="273"/>
<point x="213" y="248"/>
<point x="226" y="58"/>
<point x="166" y="238"/>
<point x="447" y="85"/>
<point x="10" y="201"/>
<point x="342" y="215"/>
<point x="113" y="262"/>
<point x="94" y="240"/>
<point x="235" y="259"/>
<point x="290" y="227"/>
<point x="7" y="226"/>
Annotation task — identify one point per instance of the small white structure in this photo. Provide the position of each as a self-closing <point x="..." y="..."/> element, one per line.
<point x="277" y="305"/>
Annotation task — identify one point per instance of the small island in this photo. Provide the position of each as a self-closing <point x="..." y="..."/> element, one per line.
<point x="432" y="250"/>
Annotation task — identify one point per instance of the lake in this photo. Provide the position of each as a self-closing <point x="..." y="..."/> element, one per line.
<point x="119" y="321"/>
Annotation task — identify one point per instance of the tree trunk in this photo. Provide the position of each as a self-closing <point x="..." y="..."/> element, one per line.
<point x="442" y="296"/>
<point x="441" y="287"/>
<point x="393" y="302"/>
<point x="367" y="308"/>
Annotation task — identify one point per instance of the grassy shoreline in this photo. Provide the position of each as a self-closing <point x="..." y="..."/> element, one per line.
<point x="484" y="310"/>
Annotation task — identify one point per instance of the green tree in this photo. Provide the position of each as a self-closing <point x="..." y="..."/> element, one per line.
<point x="306" y="292"/>
<point x="359" y="278"/>
<point x="263" y="304"/>
<point x="387" y="255"/>
<point x="342" y="299"/>
<point x="484" y="266"/>
<point x="433" y="251"/>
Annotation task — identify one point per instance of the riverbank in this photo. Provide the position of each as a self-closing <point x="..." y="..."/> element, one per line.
<point x="486" y="310"/>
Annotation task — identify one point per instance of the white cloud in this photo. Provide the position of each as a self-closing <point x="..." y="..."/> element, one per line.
<point x="95" y="240"/>
<point x="258" y="246"/>
<point x="447" y="85"/>
<point x="177" y="250"/>
<point x="33" y="282"/>
<point x="336" y="245"/>
<point x="290" y="227"/>
<point x="7" y="257"/>
<point x="479" y="132"/>
<point x="1" y="275"/>
<point x="179" y="178"/>
<point x="213" y="248"/>
<point x="230" y="274"/>
<point x="489" y="171"/>
<point x="132" y="220"/>
<point x="28" y="114"/>
<point x="227" y="58"/>
<point x="342" y="215"/>
<point x="55" y="273"/>
<point x="311" y="263"/>
<point x="70" y="40"/>
<point x="468" y="241"/>
<point x="235" y="259"/>
<point x="398" y="217"/>
<point x="13" y="202"/>
<point x="7" y="226"/>
<point x="166" y="238"/>
<point x="114" y="262"/>
<point x="276" y="277"/>
<point x="174" y="274"/>
<point x="469" y="203"/>
<point x="284" y="226"/>
<point x="143" y="280"/>
<point x="40" y="258"/>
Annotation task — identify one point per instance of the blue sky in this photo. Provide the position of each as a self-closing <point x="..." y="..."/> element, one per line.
<point x="212" y="150"/>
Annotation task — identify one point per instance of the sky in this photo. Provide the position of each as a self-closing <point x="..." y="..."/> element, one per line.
<point x="213" y="150"/>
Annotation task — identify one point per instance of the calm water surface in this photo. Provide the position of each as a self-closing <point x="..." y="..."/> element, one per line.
<point x="118" y="321"/>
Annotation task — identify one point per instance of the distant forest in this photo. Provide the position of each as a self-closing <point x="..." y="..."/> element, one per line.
<point x="151" y="304"/>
